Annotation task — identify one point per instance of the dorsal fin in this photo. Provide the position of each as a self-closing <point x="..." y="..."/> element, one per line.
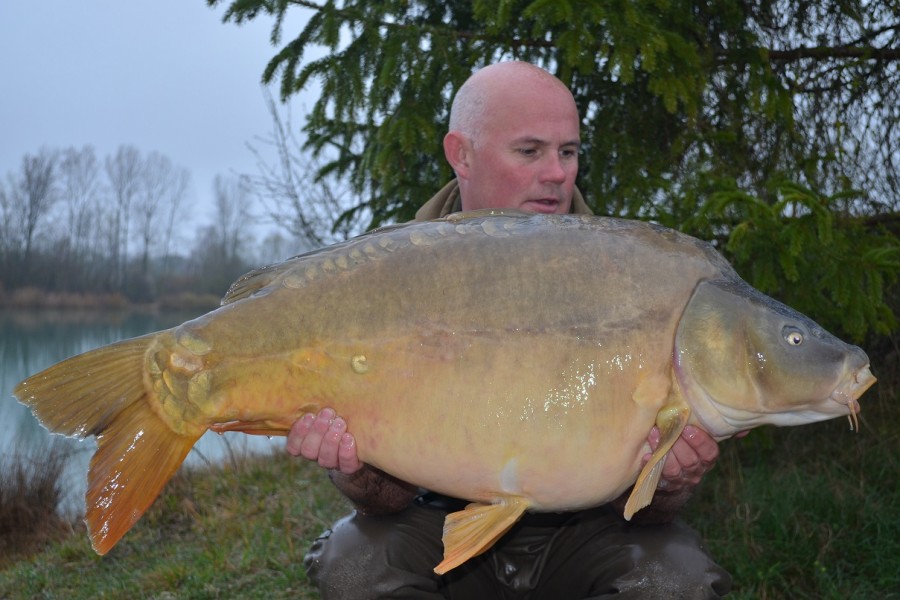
<point x="252" y="282"/>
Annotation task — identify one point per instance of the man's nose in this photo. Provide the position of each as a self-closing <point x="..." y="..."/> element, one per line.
<point x="553" y="171"/>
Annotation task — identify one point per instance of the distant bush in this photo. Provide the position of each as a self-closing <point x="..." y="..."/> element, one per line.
<point x="25" y="298"/>
<point x="30" y="500"/>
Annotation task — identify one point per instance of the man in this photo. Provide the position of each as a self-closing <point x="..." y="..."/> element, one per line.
<point x="513" y="142"/>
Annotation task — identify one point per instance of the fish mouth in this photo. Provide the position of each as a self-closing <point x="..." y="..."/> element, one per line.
<point x="849" y="393"/>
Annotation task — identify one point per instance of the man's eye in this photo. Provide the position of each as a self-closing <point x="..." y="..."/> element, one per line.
<point x="527" y="151"/>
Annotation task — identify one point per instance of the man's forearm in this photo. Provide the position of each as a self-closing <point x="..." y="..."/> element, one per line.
<point x="374" y="492"/>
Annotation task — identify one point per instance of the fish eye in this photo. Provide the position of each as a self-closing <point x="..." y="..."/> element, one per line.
<point x="792" y="335"/>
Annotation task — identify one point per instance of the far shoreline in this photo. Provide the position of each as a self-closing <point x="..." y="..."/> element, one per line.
<point x="30" y="298"/>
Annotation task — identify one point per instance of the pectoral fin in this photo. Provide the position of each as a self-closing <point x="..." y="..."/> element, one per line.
<point x="471" y="531"/>
<point x="671" y="420"/>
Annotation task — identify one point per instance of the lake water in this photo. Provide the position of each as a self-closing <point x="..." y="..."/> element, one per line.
<point x="33" y="340"/>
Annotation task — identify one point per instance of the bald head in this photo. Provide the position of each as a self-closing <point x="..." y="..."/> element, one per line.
<point x="496" y="88"/>
<point x="514" y="139"/>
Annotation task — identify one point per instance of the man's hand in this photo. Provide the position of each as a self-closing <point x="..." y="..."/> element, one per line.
<point x="691" y="457"/>
<point x="324" y="439"/>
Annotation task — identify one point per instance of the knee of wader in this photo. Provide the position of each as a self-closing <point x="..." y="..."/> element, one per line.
<point x="339" y="552"/>
<point x="671" y="561"/>
<point x="364" y="553"/>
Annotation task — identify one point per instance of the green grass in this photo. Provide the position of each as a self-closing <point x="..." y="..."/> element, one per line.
<point x="811" y="511"/>
<point x="804" y="512"/>
<point x="226" y="532"/>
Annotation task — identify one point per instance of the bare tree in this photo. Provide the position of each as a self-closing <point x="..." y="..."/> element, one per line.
<point x="233" y="215"/>
<point x="81" y="189"/>
<point x="174" y="213"/>
<point x="124" y="173"/>
<point x="30" y="197"/>
<point x="274" y="248"/>
<point x="162" y="187"/>
<point x="7" y="241"/>
<point x="314" y="209"/>
<point x="218" y="252"/>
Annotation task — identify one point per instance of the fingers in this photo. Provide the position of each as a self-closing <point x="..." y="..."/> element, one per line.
<point x="321" y="443"/>
<point x="316" y="437"/>
<point x="324" y="439"/>
<point x="691" y="457"/>
<point x="299" y="430"/>
<point x="348" y="460"/>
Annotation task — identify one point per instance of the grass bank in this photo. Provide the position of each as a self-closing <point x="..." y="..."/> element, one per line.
<point x="811" y="511"/>
<point x="235" y="531"/>
<point x="803" y="512"/>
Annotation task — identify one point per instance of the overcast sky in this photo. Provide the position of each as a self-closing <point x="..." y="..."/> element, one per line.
<point x="163" y="75"/>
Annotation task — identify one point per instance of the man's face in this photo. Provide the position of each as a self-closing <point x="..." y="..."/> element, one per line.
<point x="526" y="154"/>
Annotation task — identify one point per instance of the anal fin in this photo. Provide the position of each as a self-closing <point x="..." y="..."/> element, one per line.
<point x="471" y="531"/>
<point x="268" y="427"/>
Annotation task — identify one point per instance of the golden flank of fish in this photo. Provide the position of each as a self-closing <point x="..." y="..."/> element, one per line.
<point x="482" y="356"/>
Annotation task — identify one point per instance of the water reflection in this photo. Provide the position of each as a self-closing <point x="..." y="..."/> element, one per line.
<point x="34" y="340"/>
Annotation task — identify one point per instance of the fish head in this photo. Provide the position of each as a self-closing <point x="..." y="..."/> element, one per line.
<point x="744" y="359"/>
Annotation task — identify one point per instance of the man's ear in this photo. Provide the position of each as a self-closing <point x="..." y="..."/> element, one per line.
<point x="458" y="152"/>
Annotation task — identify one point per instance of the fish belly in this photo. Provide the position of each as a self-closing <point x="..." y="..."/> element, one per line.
<point x="472" y="415"/>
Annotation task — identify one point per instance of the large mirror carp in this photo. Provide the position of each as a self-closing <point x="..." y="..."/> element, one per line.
<point x="481" y="356"/>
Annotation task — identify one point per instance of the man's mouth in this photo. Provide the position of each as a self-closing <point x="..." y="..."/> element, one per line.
<point x="544" y="204"/>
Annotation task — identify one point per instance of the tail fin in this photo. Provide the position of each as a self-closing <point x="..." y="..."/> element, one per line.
<point x="102" y="393"/>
